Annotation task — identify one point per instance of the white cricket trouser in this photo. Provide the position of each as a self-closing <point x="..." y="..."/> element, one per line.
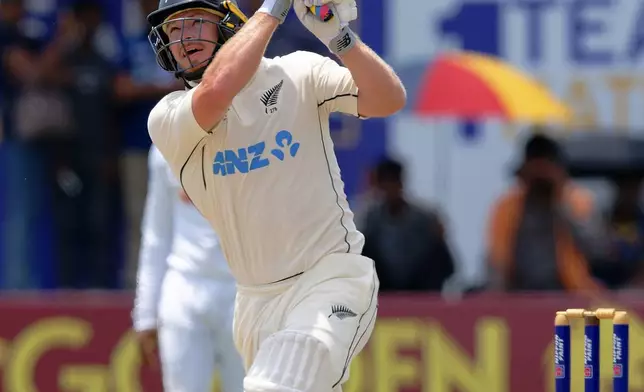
<point x="330" y="308"/>
<point x="195" y="334"/>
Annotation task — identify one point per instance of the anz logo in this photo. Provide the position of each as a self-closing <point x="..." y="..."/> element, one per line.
<point x="256" y="156"/>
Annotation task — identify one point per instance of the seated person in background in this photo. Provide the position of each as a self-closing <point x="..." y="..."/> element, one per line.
<point x="367" y="196"/>
<point x="626" y="233"/>
<point x="543" y="232"/>
<point x="405" y="240"/>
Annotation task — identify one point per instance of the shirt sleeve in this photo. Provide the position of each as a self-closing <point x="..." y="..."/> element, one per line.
<point x="174" y="129"/>
<point x="333" y="84"/>
<point x="156" y="243"/>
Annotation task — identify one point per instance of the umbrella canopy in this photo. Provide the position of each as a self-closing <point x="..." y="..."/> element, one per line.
<point x="476" y="86"/>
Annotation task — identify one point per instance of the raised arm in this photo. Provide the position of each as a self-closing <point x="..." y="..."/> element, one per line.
<point x="375" y="86"/>
<point x="381" y="93"/>
<point x="236" y="63"/>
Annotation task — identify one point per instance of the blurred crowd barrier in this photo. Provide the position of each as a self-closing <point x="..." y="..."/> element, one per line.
<point x="64" y="342"/>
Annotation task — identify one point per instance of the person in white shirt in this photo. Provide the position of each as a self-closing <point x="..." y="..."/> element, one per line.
<point x="184" y="290"/>
<point x="249" y="141"/>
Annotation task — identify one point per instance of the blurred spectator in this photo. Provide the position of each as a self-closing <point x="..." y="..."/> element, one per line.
<point x="626" y="224"/>
<point x="21" y="73"/>
<point x="140" y="84"/>
<point x="405" y="240"/>
<point x="81" y="160"/>
<point x="16" y="52"/>
<point x="367" y="197"/>
<point x="544" y="230"/>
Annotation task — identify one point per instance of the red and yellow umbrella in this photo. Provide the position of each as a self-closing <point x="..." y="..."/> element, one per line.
<point x="475" y="86"/>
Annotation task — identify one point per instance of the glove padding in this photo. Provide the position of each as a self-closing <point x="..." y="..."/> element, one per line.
<point x="276" y="8"/>
<point x="335" y="33"/>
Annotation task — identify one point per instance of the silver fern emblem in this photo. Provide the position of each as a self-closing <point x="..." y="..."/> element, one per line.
<point x="341" y="312"/>
<point x="269" y="98"/>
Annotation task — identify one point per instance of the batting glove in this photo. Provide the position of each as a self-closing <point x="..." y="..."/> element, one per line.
<point x="276" y="8"/>
<point x="334" y="33"/>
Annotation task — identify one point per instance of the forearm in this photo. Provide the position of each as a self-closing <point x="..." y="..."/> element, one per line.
<point x="20" y="65"/>
<point x="381" y="93"/>
<point x="238" y="60"/>
<point x="148" y="292"/>
<point x="50" y="67"/>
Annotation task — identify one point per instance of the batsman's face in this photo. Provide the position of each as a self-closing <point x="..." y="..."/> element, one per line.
<point x="194" y="34"/>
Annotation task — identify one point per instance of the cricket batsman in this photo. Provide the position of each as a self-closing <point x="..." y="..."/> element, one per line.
<point x="185" y="291"/>
<point x="249" y="141"/>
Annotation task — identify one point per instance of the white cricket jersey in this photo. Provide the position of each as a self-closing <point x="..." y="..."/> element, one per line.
<point x="266" y="177"/>
<point x="175" y="236"/>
